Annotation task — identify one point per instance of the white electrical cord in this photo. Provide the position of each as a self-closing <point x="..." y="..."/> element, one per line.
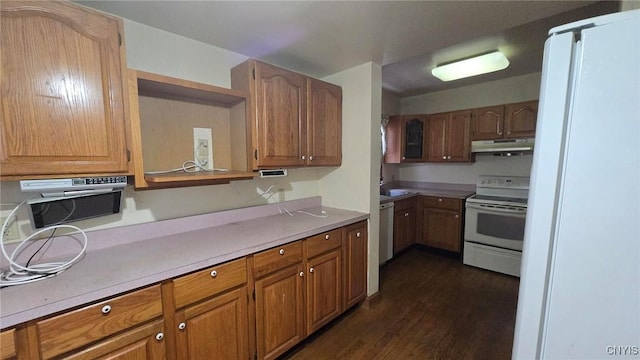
<point x="187" y="166"/>
<point x="18" y="274"/>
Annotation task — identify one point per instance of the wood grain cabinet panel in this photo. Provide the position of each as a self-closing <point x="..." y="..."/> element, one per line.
<point x="146" y="342"/>
<point x="8" y="344"/>
<point x="404" y="224"/>
<point x="295" y="120"/>
<point x="72" y="330"/>
<point x="487" y="123"/>
<point x="214" y="329"/>
<point x="448" y="137"/>
<point x="521" y="119"/>
<point x="355" y="249"/>
<point x="279" y="311"/>
<point x="324" y="123"/>
<point x="406" y="139"/>
<point x="440" y="223"/>
<point x="324" y="289"/>
<point x="63" y="90"/>
<point x="268" y="261"/>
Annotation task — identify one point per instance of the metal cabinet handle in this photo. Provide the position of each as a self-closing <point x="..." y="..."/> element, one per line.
<point x="358" y="234"/>
<point x="311" y="158"/>
<point x="457" y="216"/>
<point x="182" y="326"/>
<point x="301" y="273"/>
<point x="281" y="251"/>
<point x="214" y="273"/>
<point x="449" y="157"/>
<point x="159" y="336"/>
<point x="326" y="237"/>
<point x="444" y="158"/>
<point x="303" y="157"/>
<point x="311" y="270"/>
<point x="439" y="200"/>
<point x="498" y="128"/>
<point x="106" y="309"/>
<point x="406" y="214"/>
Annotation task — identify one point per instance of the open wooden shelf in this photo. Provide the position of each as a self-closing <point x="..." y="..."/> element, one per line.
<point x="164" y="111"/>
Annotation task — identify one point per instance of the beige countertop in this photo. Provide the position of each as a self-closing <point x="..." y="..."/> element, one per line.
<point x="109" y="271"/>
<point x="457" y="191"/>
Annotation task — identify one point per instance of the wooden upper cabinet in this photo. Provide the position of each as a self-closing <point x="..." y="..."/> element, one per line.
<point x="62" y="91"/>
<point x="516" y="120"/>
<point x="405" y="137"/>
<point x="294" y="120"/>
<point x="521" y="119"/>
<point x="324" y="119"/>
<point x="448" y="137"/>
<point x="487" y="123"/>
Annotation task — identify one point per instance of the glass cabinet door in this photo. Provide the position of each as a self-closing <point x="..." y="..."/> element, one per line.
<point x="413" y="141"/>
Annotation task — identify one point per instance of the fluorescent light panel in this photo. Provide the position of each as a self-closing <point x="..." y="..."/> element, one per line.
<point x="471" y="67"/>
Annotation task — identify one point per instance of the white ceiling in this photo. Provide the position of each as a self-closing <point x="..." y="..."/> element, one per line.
<point x="320" y="38"/>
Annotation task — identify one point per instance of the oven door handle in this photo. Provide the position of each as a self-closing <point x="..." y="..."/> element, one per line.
<point x="498" y="208"/>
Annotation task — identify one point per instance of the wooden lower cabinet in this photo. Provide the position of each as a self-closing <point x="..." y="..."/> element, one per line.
<point x="404" y="224"/>
<point x="8" y="344"/>
<point x="144" y="342"/>
<point x="441" y="223"/>
<point x="324" y="291"/>
<point x="256" y="307"/>
<point x="355" y="264"/>
<point x="214" y="329"/>
<point x="279" y="311"/>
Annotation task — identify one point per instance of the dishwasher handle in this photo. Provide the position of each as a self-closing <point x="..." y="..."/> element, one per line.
<point x="386" y="205"/>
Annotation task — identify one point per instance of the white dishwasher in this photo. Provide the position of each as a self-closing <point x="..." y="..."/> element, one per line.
<point x="386" y="232"/>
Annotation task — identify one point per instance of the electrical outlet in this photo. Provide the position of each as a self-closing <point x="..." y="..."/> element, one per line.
<point x="202" y="152"/>
<point x="203" y="148"/>
<point x="11" y="232"/>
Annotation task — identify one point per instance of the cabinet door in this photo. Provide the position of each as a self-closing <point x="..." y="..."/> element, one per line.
<point x="355" y="264"/>
<point x="324" y="289"/>
<point x="521" y="119"/>
<point x="487" y="123"/>
<point x="393" y="140"/>
<point x="401" y="236"/>
<point x="441" y="229"/>
<point x="279" y="311"/>
<point x="8" y="344"/>
<point x="413" y="136"/>
<point x="324" y="123"/>
<point x="214" y="329"/>
<point x="437" y="135"/>
<point x="62" y="91"/>
<point x="457" y="139"/>
<point x="143" y="343"/>
<point x="281" y="116"/>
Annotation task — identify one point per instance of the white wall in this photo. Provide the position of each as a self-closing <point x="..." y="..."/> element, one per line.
<point x="354" y="185"/>
<point x="390" y="106"/>
<point x="626" y="5"/>
<point x="158" y="51"/>
<point x="515" y="89"/>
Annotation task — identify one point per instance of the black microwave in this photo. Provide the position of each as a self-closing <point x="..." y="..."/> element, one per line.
<point x="49" y="211"/>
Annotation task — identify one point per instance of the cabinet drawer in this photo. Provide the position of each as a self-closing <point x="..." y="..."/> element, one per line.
<point x="324" y="242"/>
<point x="442" y="203"/>
<point x="8" y="344"/>
<point x="404" y="204"/>
<point x="277" y="258"/>
<point x="76" y="328"/>
<point x="202" y="284"/>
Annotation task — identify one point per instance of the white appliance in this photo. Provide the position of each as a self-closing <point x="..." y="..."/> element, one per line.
<point x="494" y="224"/>
<point x="580" y="287"/>
<point x="386" y="232"/>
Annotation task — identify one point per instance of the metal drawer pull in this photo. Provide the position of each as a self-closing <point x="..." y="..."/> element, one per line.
<point x="439" y="200"/>
<point x="457" y="216"/>
<point x="311" y="270"/>
<point x="301" y="273"/>
<point x="326" y="237"/>
<point x="159" y="336"/>
<point x="182" y="326"/>
<point x="214" y="273"/>
<point x="303" y="157"/>
<point x="106" y="309"/>
<point x="311" y="158"/>
<point x="281" y="251"/>
<point x="406" y="214"/>
<point x="358" y="234"/>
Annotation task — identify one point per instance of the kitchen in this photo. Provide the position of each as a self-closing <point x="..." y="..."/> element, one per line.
<point x="352" y="186"/>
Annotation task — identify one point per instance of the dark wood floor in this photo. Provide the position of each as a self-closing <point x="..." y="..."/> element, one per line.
<point x="432" y="307"/>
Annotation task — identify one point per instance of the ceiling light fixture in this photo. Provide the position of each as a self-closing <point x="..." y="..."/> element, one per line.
<point x="477" y="65"/>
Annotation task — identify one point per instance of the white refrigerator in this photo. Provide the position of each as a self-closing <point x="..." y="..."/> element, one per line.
<point x="580" y="285"/>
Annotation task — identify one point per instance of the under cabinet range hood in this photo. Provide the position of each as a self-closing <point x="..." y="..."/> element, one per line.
<point x="503" y="146"/>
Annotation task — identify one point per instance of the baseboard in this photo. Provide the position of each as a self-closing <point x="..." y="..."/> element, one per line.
<point x="372" y="301"/>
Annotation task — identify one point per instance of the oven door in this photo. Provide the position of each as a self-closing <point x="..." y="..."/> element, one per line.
<point x="495" y="225"/>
